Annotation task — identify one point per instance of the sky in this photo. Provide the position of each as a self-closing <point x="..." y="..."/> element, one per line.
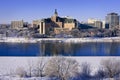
<point x="29" y="10"/>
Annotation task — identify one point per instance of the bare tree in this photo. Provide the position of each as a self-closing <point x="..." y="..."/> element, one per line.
<point x="75" y="33"/>
<point x="30" y="68"/>
<point x="40" y="67"/>
<point x="63" y="68"/>
<point x="111" y="67"/>
<point x="85" y="71"/>
<point x="100" y="74"/>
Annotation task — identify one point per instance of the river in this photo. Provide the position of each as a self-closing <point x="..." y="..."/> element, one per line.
<point x="60" y="49"/>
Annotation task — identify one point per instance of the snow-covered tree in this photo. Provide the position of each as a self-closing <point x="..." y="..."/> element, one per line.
<point x="111" y="67"/>
<point x="30" y="68"/>
<point x="62" y="68"/>
<point x="85" y="71"/>
<point x="100" y="74"/>
<point x="20" y="71"/>
<point x="39" y="68"/>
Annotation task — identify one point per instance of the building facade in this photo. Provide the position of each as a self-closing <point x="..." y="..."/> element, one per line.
<point x="95" y="23"/>
<point x="112" y="20"/>
<point x="56" y="24"/>
<point x="17" y="24"/>
<point x="42" y="28"/>
<point x="91" y="21"/>
<point x="35" y="23"/>
<point x="99" y="24"/>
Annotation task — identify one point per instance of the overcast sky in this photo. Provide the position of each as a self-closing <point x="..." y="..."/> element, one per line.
<point x="29" y="10"/>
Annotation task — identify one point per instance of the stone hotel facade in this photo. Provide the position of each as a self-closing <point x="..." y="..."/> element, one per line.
<point x="56" y="24"/>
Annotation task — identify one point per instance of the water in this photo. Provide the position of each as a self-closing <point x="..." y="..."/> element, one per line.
<point x="64" y="49"/>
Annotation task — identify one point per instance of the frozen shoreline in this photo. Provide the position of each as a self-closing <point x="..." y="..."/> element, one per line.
<point x="64" y="40"/>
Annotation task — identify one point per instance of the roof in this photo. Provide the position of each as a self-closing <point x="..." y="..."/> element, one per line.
<point x="66" y="20"/>
<point x="59" y="19"/>
<point x="112" y="13"/>
<point x="47" y="20"/>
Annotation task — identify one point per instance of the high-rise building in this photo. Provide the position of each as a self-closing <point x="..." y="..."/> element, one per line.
<point x="112" y="20"/>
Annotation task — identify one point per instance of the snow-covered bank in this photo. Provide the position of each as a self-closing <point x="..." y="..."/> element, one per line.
<point x="17" y="40"/>
<point x="64" y="40"/>
<point x="82" y="40"/>
<point x="39" y="78"/>
<point x="18" y="78"/>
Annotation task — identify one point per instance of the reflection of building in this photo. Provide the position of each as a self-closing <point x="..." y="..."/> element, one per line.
<point x="42" y="49"/>
<point x="17" y="24"/>
<point x="112" y="20"/>
<point x="56" y="24"/>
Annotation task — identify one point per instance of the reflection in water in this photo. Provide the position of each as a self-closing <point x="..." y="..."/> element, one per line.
<point x="94" y="48"/>
<point x="56" y="48"/>
<point x="80" y="49"/>
<point x="111" y="48"/>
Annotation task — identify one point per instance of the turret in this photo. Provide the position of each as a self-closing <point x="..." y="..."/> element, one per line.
<point x="55" y="13"/>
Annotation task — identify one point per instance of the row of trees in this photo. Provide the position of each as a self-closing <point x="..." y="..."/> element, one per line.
<point x="76" y="33"/>
<point x="23" y="32"/>
<point x="61" y="68"/>
<point x="95" y="32"/>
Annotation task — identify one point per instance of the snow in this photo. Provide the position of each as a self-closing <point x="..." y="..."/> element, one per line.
<point x="17" y="40"/>
<point x="8" y="65"/>
<point x="18" y="78"/>
<point x="66" y="40"/>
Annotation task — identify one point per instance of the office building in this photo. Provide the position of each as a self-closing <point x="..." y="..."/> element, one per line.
<point x="98" y="24"/>
<point x="95" y="23"/>
<point x="17" y="24"/>
<point x="112" y="20"/>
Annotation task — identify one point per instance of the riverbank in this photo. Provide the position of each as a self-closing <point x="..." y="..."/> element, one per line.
<point x="64" y="40"/>
<point x="17" y="40"/>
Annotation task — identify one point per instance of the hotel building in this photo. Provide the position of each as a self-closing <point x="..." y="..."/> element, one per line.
<point x="56" y="24"/>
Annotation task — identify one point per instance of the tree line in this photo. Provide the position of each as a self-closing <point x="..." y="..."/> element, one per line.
<point x="62" y="68"/>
